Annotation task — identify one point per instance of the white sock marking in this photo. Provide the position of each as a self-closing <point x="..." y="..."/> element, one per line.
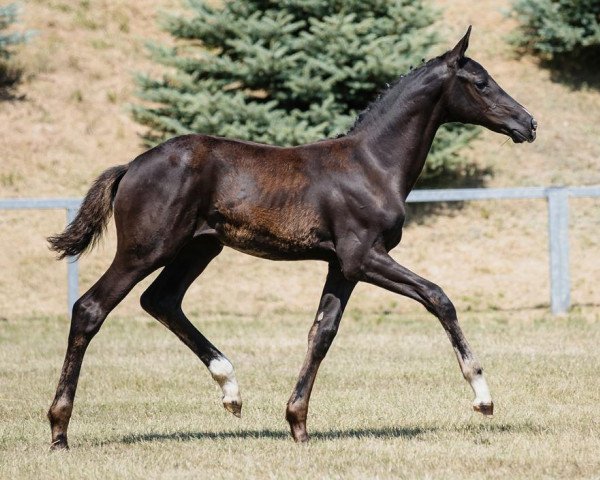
<point x="222" y="372"/>
<point x="481" y="390"/>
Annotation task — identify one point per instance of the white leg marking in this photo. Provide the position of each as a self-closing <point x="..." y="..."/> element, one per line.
<point x="481" y="390"/>
<point x="320" y="317"/>
<point x="222" y="372"/>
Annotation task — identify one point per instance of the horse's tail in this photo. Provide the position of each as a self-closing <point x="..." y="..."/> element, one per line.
<point x="90" y="222"/>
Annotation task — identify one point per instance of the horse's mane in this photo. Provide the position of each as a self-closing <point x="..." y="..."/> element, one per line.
<point x="388" y="94"/>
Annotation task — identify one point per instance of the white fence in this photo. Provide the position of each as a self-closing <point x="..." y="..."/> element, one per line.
<point x="558" y="226"/>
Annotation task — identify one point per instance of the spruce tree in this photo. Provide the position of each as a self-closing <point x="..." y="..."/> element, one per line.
<point x="8" y="16"/>
<point x="287" y="72"/>
<point x="9" y="74"/>
<point x="555" y="29"/>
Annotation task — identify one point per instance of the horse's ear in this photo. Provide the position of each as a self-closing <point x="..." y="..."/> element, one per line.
<point x="458" y="52"/>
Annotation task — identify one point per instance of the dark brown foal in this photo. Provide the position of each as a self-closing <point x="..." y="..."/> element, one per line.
<point x="338" y="200"/>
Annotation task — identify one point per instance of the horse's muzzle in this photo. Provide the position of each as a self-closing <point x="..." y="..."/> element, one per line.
<point x="527" y="134"/>
<point x="533" y="130"/>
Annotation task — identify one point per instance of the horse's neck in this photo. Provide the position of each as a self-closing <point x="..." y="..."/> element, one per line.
<point x="401" y="136"/>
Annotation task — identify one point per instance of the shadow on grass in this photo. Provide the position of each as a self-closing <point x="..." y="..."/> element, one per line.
<point x="356" y="433"/>
<point x="391" y="432"/>
<point x="542" y="307"/>
<point x="500" y="427"/>
<point x="576" y="71"/>
<point x="10" y="76"/>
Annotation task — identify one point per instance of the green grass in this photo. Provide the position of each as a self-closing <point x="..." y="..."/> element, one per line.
<point x="389" y="401"/>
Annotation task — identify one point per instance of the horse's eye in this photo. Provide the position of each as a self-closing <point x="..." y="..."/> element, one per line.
<point x="481" y="84"/>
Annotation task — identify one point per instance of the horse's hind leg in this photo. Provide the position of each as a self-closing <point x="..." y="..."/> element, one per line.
<point x="336" y="293"/>
<point x="163" y="300"/>
<point x="88" y="315"/>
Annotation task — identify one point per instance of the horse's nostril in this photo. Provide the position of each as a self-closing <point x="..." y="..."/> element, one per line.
<point x="533" y="124"/>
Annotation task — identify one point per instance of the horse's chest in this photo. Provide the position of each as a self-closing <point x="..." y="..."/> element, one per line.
<point x="392" y="237"/>
<point x="391" y="227"/>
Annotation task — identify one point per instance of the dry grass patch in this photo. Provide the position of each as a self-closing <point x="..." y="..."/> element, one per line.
<point x="389" y="401"/>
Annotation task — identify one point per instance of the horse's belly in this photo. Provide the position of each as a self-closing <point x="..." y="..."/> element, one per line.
<point x="285" y="241"/>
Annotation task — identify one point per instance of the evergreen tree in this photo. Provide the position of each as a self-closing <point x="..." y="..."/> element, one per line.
<point x="8" y="73"/>
<point x="8" y="16"/>
<point x="559" y="28"/>
<point x="287" y="72"/>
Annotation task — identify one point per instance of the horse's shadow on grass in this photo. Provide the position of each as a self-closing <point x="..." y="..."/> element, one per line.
<point x="407" y="433"/>
<point x="390" y="432"/>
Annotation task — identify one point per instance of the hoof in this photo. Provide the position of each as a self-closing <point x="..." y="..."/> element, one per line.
<point x="234" y="407"/>
<point x="299" y="434"/>
<point x="59" y="444"/>
<point x="486" y="409"/>
<point x="301" y="438"/>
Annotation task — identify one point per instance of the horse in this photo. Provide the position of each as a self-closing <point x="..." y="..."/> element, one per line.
<point x="339" y="200"/>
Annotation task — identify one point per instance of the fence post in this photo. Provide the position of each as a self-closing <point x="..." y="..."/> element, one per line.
<point x="558" y="238"/>
<point x="72" y="269"/>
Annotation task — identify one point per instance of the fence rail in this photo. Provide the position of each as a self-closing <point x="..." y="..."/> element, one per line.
<point x="558" y="226"/>
<point x="71" y="205"/>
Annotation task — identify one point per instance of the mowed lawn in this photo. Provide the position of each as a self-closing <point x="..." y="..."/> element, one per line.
<point x="389" y="401"/>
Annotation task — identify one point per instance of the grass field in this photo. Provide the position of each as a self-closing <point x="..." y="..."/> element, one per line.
<point x="389" y="402"/>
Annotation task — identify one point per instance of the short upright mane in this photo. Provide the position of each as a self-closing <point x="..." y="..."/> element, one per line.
<point x="386" y="97"/>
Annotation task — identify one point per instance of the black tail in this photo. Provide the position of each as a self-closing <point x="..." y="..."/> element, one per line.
<point x="90" y="222"/>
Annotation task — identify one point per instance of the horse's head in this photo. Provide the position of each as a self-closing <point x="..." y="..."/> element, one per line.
<point x="472" y="96"/>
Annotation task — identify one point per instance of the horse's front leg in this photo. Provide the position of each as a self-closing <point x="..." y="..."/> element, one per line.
<point x="378" y="268"/>
<point x="335" y="295"/>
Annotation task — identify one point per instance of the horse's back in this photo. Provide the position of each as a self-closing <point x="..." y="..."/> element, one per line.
<point x="256" y="198"/>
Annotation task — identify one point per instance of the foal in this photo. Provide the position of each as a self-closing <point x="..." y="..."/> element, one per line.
<point x="338" y="200"/>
